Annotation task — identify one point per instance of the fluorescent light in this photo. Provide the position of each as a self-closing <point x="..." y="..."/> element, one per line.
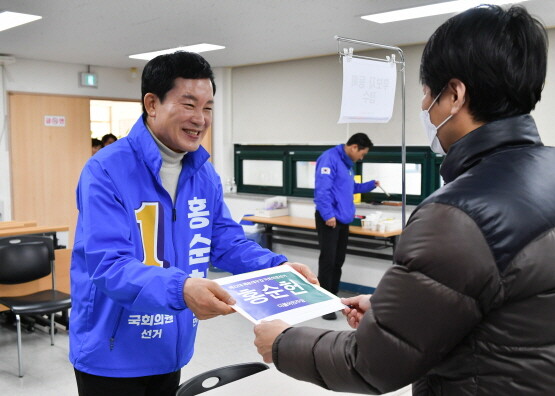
<point x="432" y="9"/>
<point x="190" y="48"/>
<point x="10" y="19"/>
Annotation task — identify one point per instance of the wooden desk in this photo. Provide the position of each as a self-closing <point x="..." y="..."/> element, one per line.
<point x="35" y="230"/>
<point x="302" y="223"/>
<point x="16" y="224"/>
<point x="6" y="232"/>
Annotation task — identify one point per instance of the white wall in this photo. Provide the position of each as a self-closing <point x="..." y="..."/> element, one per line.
<point x="222" y="145"/>
<point x="5" y="186"/>
<point x="63" y="79"/>
<point x="298" y="102"/>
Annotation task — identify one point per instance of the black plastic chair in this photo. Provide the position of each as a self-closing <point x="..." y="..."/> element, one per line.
<point x="24" y="259"/>
<point x="223" y="375"/>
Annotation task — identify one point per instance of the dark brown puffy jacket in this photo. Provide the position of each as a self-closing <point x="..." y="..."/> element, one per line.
<point x="469" y="307"/>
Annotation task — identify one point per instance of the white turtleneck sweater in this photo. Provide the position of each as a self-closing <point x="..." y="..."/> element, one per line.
<point x="171" y="166"/>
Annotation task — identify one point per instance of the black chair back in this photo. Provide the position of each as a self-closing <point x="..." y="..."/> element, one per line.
<point x="25" y="258"/>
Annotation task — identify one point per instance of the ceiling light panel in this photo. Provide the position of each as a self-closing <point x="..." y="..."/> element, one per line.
<point x="10" y="19"/>
<point x="198" y="48"/>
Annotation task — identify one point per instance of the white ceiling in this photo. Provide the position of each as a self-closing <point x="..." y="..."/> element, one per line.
<point x="106" y="32"/>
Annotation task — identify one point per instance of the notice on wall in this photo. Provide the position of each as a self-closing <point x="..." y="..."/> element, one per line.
<point x="279" y="293"/>
<point x="368" y="91"/>
<point x="54" y="121"/>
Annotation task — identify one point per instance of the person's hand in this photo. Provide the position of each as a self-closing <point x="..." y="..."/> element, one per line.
<point x="357" y="306"/>
<point x="331" y="222"/>
<point x="206" y="298"/>
<point x="265" y="335"/>
<point x="377" y="183"/>
<point x="305" y="271"/>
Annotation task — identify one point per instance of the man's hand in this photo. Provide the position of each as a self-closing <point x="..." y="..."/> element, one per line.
<point x="331" y="222"/>
<point x="304" y="271"/>
<point x="377" y="183"/>
<point x="357" y="306"/>
<point x="266" y="333"/>
<point x="206" y="298"/>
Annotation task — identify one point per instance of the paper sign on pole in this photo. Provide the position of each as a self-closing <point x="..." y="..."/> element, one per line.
<point x="368" y="91"/>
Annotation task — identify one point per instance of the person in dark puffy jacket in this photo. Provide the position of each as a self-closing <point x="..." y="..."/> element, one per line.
<point x="468" y="307"/>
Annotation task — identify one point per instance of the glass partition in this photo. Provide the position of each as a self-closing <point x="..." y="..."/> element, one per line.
<point x="263" y="173"/>
<point x="290" y="170"/>
<point x="390" y="176"/>
<point x="305" y="172"/>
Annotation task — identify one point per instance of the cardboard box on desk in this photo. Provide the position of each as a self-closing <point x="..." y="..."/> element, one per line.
<point x="272" y="212"/>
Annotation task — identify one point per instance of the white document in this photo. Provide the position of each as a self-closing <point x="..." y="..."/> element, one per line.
<point x="368" y="91"/>
<point x="279" y="293"/>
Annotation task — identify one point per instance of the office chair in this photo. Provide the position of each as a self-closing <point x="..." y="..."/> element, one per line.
<point x="223" y="375"/>
<point x="24" y="259"/>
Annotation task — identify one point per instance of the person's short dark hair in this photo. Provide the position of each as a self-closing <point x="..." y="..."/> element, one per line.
<point x="107" y="137"/>
<point x="96" y="143"/>
<point x="500" y="55"/>
<point x="160" y="73"/>
<point x="361" y="140"/>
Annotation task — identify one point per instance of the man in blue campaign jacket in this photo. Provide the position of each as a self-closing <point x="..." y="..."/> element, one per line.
<point x="151" y="218"/>
<point x="335" y="209"/>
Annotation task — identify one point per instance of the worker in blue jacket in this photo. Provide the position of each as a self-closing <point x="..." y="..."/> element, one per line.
<point x="335" y="208"/>
<point x="151" y="219"/>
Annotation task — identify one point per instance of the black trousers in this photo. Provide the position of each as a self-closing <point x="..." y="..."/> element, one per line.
<point x="152" y="385"/>
<point x="333" y="248"/>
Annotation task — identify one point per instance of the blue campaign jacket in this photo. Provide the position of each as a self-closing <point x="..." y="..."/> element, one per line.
<point x="134" y="251"/>
<point x="335" y="185"/>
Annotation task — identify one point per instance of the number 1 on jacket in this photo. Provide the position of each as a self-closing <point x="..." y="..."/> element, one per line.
<point x="147" y="219"/>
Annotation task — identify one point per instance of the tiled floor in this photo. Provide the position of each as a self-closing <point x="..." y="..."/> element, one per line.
<point x="221" y="341"/>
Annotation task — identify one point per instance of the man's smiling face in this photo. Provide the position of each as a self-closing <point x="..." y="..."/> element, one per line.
<point x="181" y="120"/>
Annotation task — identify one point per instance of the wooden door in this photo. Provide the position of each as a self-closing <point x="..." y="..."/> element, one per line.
<point x="46" y="161"/>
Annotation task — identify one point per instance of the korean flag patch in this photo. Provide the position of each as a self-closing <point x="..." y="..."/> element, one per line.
<point x="325" y="171"/>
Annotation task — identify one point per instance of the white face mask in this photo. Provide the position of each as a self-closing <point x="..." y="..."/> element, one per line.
<point x="431" y="129"/>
